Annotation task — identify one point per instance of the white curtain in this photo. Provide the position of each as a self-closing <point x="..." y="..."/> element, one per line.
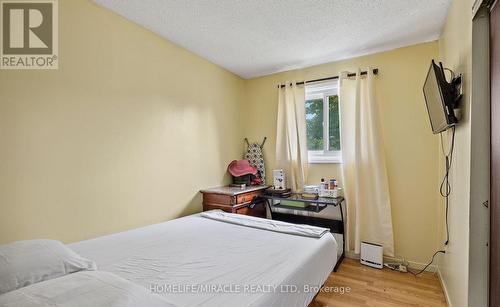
<point x="366" y="186"/>
<point x="291" y="142"/>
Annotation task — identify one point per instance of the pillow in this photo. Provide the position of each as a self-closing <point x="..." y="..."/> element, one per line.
<point x="24" y="263"/>
<point x="89" y="289"/>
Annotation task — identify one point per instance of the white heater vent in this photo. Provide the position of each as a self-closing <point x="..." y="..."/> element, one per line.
<point x="372" y="255"/>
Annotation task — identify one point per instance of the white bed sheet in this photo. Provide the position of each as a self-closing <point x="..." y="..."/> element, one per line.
<point x="244" y="266"/>
<point x="83" y="289"/>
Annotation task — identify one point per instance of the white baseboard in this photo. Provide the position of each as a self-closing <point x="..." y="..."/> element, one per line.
<point x="443" y="286"/>
<point x="352" y="255"/>
<point x="412" y="264"/>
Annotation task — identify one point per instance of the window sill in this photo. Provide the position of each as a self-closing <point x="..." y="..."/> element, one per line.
<point x="315" y="158"/>
<point x="321" y="161"/>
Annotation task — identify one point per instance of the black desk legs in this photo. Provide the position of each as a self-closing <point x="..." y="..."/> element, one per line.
<point x="342" y="256"/>
<point x="269" y="205"/>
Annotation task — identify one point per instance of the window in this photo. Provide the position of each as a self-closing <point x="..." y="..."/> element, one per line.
<point x="323" y="122"/>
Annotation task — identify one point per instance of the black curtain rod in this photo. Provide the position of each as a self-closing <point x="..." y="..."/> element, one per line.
<point x="363" y="73"/>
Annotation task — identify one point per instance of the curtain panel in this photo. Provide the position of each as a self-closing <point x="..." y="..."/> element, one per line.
<point x="366" y="186"/>
<point x="291" y="142"/>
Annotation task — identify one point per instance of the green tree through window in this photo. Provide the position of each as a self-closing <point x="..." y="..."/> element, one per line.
<point x="334" y="123"/>
<point x="314" y="124"/>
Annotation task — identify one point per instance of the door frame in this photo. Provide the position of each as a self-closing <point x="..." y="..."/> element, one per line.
<point x="494" y="272"/>
<point x="479" y="215"/>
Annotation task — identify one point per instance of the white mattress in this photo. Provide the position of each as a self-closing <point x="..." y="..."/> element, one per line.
<point x="257" y="267"/>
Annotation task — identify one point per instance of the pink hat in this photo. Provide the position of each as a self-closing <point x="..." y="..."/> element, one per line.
<point x="239" y="168"/>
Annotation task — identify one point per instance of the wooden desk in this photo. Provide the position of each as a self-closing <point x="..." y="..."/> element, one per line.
<point x="236" y="200"/>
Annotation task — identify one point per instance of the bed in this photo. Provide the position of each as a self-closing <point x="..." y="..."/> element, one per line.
<point x="197" y="261"/>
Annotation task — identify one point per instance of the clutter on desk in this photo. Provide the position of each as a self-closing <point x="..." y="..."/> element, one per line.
<point x="279" y="192"/>
<point x="328" y="188"/>
<point x="286" y="204"/>
<point x="332" y="193"/>
<point x="312" y="196"/>
<point x="313" y="189"/>
<point x="279" y="179"/>
<point x="244" y="173"/>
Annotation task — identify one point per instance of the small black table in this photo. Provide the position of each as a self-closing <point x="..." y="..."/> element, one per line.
<point x="315" y="205"/>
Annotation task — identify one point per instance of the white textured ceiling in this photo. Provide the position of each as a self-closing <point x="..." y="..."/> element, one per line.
<point x="258" y="37"/>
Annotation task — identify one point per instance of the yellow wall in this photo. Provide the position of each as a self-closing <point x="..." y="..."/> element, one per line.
<point x="124" y="134"/>
<point x="455" y="50"/>
<point x="131" y="126"/>
<point x="411" y="148"/>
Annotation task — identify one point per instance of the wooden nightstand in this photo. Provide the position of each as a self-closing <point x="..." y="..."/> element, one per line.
<point x="235" y="200"/>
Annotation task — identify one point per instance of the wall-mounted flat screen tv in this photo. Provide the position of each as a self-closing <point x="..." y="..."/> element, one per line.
<point x="440" y="99"/>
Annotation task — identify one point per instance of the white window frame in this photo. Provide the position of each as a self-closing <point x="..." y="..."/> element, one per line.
<point x="322" y="91"/>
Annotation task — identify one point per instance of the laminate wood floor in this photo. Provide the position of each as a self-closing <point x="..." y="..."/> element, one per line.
<point x="373" y="287"/>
